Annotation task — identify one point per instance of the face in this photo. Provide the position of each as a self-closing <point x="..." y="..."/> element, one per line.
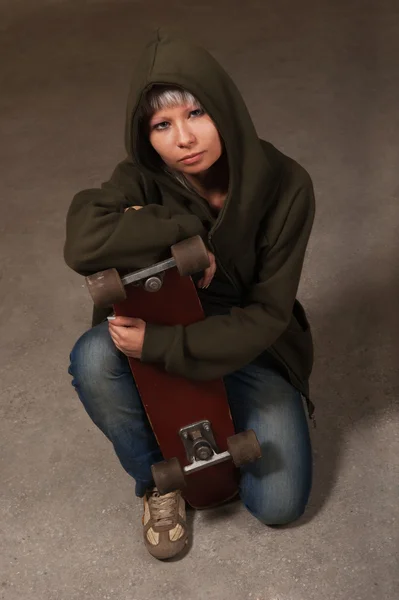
<point x="181" y="131"/>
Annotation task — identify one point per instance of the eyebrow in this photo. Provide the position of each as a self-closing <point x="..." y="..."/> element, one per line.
<point x="164" y="118"/>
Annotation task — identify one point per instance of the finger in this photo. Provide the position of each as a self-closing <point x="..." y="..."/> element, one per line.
<point x="121" y="335"/>
<point x="127" y="342"/>
<point x="204" y="282"/>
<point x="125" y="336"/>
<point x="114" y="333"/>
<point x="208" y="276"/>
<point x="115" y="329"/>
<point x="133" y="207"/>
<point x="116" y="342"/>
<point x="124" y="321"/>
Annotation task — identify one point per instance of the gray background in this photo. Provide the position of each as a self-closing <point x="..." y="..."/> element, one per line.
<point x="321" y="81"/>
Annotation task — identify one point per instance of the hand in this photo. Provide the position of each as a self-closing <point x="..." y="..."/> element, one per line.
<point x="205" y="281"/>
<point x="127" y="334"/>
<point x="135" y="208"/>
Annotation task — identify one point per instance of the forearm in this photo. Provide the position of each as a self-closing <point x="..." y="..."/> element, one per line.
<point x="101" y="234"/>
<point x="214" y="347"/>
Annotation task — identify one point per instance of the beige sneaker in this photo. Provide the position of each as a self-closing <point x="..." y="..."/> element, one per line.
<point x="164" y="521"/>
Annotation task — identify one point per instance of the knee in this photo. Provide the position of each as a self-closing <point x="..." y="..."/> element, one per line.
<point x="278" y="504"/>
<point x="278" y="515"/>
<point x="98" y="369"/>
<point x="93" y="357"/>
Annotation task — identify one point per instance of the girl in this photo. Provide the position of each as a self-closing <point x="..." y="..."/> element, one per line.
<point x="195" y="165"/>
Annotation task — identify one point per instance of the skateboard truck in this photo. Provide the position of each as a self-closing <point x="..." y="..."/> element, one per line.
<point x="200" y="446"/>
<point x="151" y="277"/>
<point x="202" y="452"/>
<point x="108" y="287"/>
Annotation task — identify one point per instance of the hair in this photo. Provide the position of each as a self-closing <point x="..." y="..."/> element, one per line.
<point x="160" y="97"/>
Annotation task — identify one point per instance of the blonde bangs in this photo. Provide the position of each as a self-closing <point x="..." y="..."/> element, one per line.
<point x="161" y="97"/>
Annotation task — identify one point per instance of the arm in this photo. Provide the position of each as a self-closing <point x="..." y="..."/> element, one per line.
<point x="221" y="344"/>
<point x="100" y="234"/>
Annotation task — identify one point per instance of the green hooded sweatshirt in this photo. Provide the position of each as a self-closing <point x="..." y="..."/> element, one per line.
<point x="259" y="237"/>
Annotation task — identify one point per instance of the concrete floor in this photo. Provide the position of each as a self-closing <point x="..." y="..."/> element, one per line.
<point x="321" y="80"/>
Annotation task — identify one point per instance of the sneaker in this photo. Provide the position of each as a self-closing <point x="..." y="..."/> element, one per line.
<point x="164" y="521"/>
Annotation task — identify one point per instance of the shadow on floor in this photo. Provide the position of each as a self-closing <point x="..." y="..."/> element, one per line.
<point x="356" y="376"/>
<point x="355" y="381"/>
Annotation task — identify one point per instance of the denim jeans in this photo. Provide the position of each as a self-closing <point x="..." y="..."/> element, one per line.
<point x="275" y="488"/>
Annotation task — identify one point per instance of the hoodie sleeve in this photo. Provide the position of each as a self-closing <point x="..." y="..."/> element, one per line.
<point x="218" y="345"/>
<point x="101" y="235"/>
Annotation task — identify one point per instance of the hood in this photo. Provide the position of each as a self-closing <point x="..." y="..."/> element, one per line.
<point x="169" y="60"/>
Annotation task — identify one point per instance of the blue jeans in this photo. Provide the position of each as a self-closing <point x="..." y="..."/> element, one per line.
<point x="275" y="489"/>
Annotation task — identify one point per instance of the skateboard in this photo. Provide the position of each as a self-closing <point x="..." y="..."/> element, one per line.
<point x="191" y="420"/>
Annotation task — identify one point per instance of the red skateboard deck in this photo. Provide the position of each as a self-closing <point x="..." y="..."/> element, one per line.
<point x="172" y="402"/>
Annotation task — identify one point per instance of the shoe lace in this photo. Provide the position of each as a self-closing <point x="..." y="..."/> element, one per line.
<point x="162" y="508"/>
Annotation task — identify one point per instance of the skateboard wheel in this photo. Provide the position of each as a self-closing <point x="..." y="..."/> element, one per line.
<point x="168" y="476"/>
<point x="244" y="447"/>
<point x="191" y="256"/>
<point x="106" y="288"/>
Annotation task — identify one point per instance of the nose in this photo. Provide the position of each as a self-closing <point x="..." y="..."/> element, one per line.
<point x="184" y="136"/>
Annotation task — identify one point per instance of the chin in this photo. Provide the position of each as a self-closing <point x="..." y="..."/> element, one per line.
<point x="198" y="169"/>
<point x="195" y="169"/>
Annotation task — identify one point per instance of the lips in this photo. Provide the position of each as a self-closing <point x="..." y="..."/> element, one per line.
<point x="191" y="156"/>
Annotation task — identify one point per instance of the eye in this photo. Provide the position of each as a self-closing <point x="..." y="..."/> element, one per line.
<point x="160" y="126"/>
<point x="198" y="112"/>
